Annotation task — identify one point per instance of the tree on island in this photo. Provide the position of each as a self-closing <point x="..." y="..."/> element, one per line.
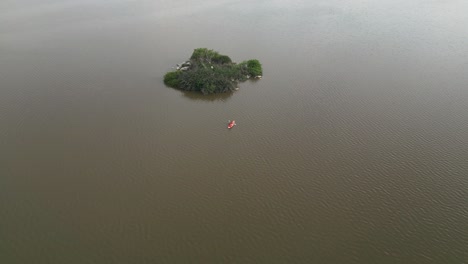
<point x="209" y="72"/>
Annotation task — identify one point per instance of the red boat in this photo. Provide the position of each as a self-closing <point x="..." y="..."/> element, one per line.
<point x="231" y="124"/>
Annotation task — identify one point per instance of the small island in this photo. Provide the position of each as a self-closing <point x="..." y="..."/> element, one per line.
<point x="209" y="72"/>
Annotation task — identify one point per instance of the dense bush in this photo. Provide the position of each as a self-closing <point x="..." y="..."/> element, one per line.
<point x="203" y="54"/>
<point x="207" y="80"/>
<point x="211" y="72"/>
<point x="254" y="67"/>
<point x="221" y="59"/>
<point x="172" y="79"/>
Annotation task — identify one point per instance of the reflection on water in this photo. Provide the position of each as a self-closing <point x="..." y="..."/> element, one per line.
<point x="209" y="97"/>
<point x="352" y="149"/>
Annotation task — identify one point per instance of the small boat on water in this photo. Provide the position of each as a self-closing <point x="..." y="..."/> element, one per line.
<point x="231" y="124"/>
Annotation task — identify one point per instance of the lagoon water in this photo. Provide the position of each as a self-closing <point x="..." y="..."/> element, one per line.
<point x="353" y="148"/>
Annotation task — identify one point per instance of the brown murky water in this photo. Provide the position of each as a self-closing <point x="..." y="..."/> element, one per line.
<point x="352" y="149"/>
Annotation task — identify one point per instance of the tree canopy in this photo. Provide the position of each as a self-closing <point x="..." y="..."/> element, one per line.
<point x="208" y="71"/>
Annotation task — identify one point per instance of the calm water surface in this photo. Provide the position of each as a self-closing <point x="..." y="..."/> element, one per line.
<point x="352" y="149"/>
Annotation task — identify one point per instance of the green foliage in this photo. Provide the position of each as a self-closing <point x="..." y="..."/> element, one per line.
<point x="221" y="59"/>
<point x="254" y="67"/>
<point x="172" y="79"/>
<point x="198" y="53"/>
<point x="211" y="72"/>
<point x="242" y="71"/>
<point x="206" y="80"/>
<point x="210" y="56"/>
<point x="204" y="54"/>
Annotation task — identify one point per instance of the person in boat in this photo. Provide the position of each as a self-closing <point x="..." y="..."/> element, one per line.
<point x="231" y="123"/>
